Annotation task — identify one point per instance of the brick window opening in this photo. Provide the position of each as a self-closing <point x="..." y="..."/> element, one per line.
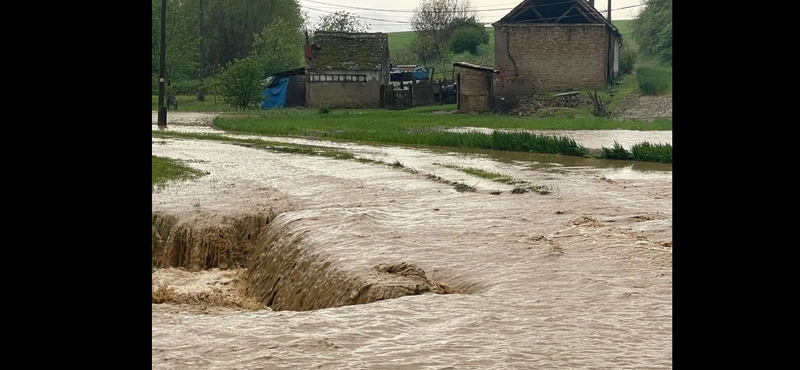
<point x="337" y="78"/>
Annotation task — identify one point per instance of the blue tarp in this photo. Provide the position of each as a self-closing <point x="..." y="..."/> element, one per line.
<point x="275" y="95"/>
<point x="420" y="74"/>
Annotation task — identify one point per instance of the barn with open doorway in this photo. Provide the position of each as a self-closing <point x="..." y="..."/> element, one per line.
<point x="555" y="45"/>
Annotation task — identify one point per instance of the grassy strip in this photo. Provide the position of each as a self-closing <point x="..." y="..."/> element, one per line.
<point x="299" y="121"/>
<point x="654" y="81"/>
<point x="521" y="186"/>
<point x="396" y="133"/>
<point x="477" y="172"/>
<point x="166" y="170"/>
<point x="644" y="152"/>
<point x="261" y="144"/>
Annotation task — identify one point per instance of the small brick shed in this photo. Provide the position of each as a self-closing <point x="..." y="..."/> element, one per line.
<point x="555" y="45"/>
<point x="474" y="87"/>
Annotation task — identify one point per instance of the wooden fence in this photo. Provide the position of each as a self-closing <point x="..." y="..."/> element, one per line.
<point x="410" y="95"/>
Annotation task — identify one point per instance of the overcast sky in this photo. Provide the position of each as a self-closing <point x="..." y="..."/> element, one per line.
<point x="391" y="16"/>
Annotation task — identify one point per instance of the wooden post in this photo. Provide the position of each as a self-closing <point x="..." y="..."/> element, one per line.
<point x="458" y="91"/>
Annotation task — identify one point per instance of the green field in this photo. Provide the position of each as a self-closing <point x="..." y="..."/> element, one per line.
<point x="401" y="40"/>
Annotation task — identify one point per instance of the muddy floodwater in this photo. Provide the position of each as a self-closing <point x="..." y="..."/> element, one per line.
<point x="577" y="278"/>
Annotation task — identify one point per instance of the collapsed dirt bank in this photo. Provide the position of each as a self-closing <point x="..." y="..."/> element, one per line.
<point x="285" y="271"/>
<point x="289" y="271"/>
<point x="203" y="289"/>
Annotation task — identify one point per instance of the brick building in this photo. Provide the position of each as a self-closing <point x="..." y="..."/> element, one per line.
<point x="474" y="87"/>
<point x="555" y="45"/>
<point x="346" y="70"/>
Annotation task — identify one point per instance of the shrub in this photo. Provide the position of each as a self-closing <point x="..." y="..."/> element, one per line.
<point x="466" y="39"/>
<point x="240" y="83"/>
<point x="627" y="59"/>
<point x="653" y="80"/>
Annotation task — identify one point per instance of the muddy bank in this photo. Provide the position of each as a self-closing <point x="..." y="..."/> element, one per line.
<point x="203" y="289"/>
<point x="203" y="240"/>
<point x="286" y="271"/>
<point x="290" y="271"/>
<point x="218" y="227"/>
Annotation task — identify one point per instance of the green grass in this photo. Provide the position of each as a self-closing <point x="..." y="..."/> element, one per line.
<point x="421" y="126"/>
<point x="477" y="172"/>
<point x="521" y="186"/>
<point x="189" y="103"/>
<point x="398" y="134"/>
<point x="654" y="81"/>
<point x="166" y="170"/>
<point x="305" y="122"/>
<point x="644" y="152"/>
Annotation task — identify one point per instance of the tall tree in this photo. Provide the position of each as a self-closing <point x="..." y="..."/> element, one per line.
<point x="434" y="20"/>
<point x="278" y="47"/>
<point x="652" y="30"/>
<point x="228" y="31"/>
<point x="343" y="21"/>
<point x="433" y="23"/>
<point x="201" y="93"/>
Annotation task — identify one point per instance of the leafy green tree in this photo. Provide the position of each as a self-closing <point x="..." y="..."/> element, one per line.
<point x="470" y="23"/>
<point x="343" y="21"/>
<point x="229" y="30"/>
<point x="239" y="83"/>
<point x="652" y="30"/>
<point x="425" y="48"/>
<point x="278" y="47"/>
<point x="466" y="39"/>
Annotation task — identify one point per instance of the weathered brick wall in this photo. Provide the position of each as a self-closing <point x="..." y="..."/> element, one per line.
<point x="474" y="90"/>
<point x="550" y="57"/>
<point x="345" y="94"/>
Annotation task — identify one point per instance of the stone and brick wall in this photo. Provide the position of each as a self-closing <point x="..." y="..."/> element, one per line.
<point x="550" y="57"/>
<point x="474" y="90"/>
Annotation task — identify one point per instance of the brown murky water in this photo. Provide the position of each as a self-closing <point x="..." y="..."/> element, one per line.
<point x="581" y="278"/>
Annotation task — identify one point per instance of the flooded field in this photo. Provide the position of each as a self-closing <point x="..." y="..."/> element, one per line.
<point x="579" y="278"/>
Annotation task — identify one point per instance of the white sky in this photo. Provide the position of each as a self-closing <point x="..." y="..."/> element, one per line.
<point x="386" y="17"/>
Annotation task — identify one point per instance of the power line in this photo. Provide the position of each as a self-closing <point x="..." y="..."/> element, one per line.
<point x="338" y="6"/>
<point x="534" y="20"/>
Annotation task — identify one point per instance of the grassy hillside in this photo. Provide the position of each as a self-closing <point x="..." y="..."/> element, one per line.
<point x="401" y="40"/>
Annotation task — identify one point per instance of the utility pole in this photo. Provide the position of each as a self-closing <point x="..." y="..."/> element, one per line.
<point x="201" y="95"/>
<point x="162" y="109"/>
<point x="609" y="10"/>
